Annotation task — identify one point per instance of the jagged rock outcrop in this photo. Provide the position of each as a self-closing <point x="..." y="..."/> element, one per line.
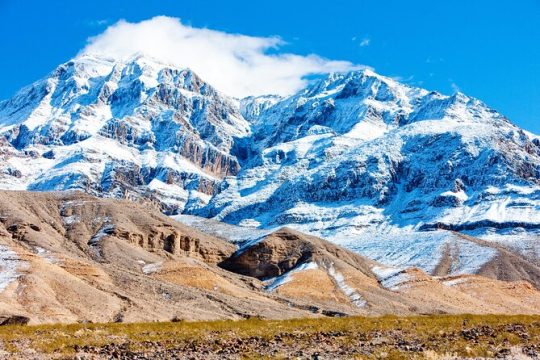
<point x="285" y="249"/>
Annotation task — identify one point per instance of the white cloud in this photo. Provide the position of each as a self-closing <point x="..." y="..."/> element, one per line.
<point x="97" y="23"/>
<point x="365" y="42"/>
<point x="403" y="79"/>
<point x="454" y="86"/>
<point x="236" y="64"/>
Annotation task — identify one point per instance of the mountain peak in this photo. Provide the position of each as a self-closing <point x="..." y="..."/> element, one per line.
<point x="95" y="119"/>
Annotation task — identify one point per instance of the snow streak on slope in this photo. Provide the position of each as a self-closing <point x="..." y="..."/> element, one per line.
<point x="276" y="282"/>
<point x="351" y="293"/>
<point x="9" y="266"/>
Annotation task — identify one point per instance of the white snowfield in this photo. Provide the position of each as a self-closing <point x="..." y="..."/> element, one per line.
<point x="386" y="169"/>
<point x="421" y="249"/>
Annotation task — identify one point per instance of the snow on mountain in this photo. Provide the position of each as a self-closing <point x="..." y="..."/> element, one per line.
<point x="357" y="158"/>
<point x="123" y="129"/>
<point x="252" y="106"/>
<point x="387" y="169"/>
<point x="9" y="266"/>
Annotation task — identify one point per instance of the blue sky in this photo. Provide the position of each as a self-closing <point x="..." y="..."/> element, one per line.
<point x="486" y="49"/>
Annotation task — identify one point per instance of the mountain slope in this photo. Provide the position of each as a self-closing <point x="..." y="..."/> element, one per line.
<point x="71" y="257"/>
<point x="359" y="159"/>
<point x="67" y="257"/>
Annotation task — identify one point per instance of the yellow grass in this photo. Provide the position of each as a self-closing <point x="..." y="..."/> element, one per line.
<point x="441" y="334"/>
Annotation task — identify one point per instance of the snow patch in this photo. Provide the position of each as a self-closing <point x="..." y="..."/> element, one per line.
<point x="150" y="269"/>
<point x="94" y="242"/>
<point x="454" y="282"/>
<point x="69" y="220"/>
<point x="391" y="278"/>
<point x="46" y="255"/>
<point x="9" y="264"/>
<point x="384" y="272"/>
<point x="460" y="195"/>
<point x="367" y="130"/>
<point x="351" y="293"/>
<point x="105" y="230"/>
<point x="286" y="277"/>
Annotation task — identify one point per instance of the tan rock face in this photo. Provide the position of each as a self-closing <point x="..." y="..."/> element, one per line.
<point x="174" y="242"/>
<point x="277" y="254"/>
<point x="210" y="159"/>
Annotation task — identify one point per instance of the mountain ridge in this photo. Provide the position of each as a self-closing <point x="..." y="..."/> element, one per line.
<point x="356" y="158"/>
<point x="417" y="161"/>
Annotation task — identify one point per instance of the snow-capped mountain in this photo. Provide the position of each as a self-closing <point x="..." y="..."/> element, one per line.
<point x="374" y="164"/>
<point x="121" y="128"/>
<point x="356" y="158"/>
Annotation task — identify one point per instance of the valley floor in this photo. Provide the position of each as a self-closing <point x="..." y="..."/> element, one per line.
<point x="430" y="337"/>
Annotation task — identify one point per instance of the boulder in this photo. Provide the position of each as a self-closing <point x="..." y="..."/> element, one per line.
<point x="13" y="320"/>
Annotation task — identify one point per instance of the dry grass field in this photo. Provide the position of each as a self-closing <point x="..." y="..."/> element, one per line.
<point x="417" y="337"/>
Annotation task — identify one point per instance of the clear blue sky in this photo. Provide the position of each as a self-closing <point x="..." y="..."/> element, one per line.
<point x="487" y="49"/>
